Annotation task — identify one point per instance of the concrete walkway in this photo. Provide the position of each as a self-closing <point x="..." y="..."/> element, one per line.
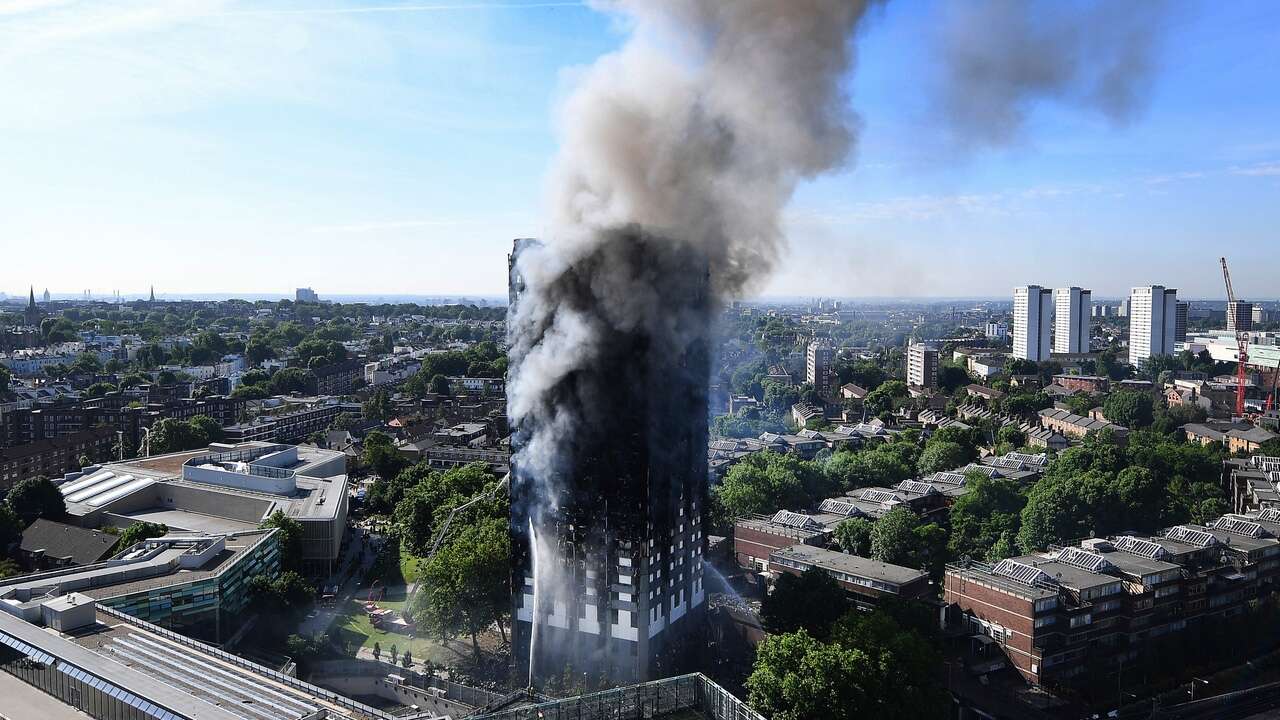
<point x="323" y="617"/>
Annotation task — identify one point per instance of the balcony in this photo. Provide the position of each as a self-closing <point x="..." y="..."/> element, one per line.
<point x="1049" y="642"/>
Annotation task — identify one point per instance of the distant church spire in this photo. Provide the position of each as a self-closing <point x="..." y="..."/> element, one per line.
<point x="32" y="302"/>
<point x="153" y="293"/>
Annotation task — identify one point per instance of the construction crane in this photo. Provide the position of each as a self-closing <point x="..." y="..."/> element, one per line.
<point x="1242" y="341"/>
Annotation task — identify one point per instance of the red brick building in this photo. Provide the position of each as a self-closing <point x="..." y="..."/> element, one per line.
<point x="1059" y="614"/>
<point x="54" y="457"/>
<point x="1084" y="383"/>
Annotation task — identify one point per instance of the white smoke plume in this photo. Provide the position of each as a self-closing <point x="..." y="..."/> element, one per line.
<point x="693" y="135"/>
<point x="999" y="59"/>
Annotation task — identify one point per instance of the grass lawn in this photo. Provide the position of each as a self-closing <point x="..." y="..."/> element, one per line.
<point x="353" y="628"/>
<point x="409" y="567"/>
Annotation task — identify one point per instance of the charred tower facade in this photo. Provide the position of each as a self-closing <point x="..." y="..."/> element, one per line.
<point x="619" y="524"/>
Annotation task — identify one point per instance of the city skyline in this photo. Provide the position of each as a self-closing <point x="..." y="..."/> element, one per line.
<point x="421" y="148"/>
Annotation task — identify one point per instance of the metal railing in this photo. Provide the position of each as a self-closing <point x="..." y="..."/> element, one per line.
<point x="293" y="682"/>
<point x="636" y="702"/>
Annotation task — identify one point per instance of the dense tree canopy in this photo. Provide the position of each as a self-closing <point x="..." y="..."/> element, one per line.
<point x="812" y="600"/>
<point x="1102" y="487"/>
<point x="1129" y="408"/>
<point x="871" y="668"/>
<point x="881" y="464"/>
<point x="173" y="435"/>
<point x="767" y="481"/>
<point x="944" y="455"/>
<point x="140" y="531"/>
<point x="854" y="536"/>
<point x="289" y="539"/>
<point x="987" y="513"/>
<point x="430" y="495"/>
<point x="464" y="585"/>
<point x="900" y="537"/>
<point x="36" y="498"/>
<point x="381" y="455"/>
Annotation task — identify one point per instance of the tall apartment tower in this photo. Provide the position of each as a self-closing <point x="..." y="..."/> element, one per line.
<point x="1180" y="322"/>
<point x="1153" y="322"/>
<point x="922" y="365"/>
<point x="1072" y="308"/>
<point x="1032" y="313"/>
<point x="817" y="368"/>
<point x="1239" y="316"/>
<point x="620" y="536"/>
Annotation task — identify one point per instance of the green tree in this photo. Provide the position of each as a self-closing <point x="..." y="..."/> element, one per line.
<point x="854" y="536"/>
<point x="439" y="385"/>
<point x="767" y="481"/>
<point x="745" y="426"/>
<point x="280" y="603"/>
<point x="381" y="456"/>
<point x="86" y="363"/>
<point x="463" y="586"/>
<point x="288" y="537"/>
<point x="1081" y="403"/>
<point x="905" y="662"/>
<point x="812" y="600"/>
<point x="290" y="380"/>
<point x="796" y="677"/>
<point x="952" y="377"/>
<point x="258" y="349"/>
<point x="1130" y="409"/>
<point x="36" y="498"/>
<point x="6" y="377"/>
<point x="172" y="435"/>
<point x="378" y="406"/>
<point x="891" y="395"/>
<point x="881" y="465"/>
<point x="988" y="511"/>
<point x="900" y="538"/>
<point x="940" y="456"/>
<point x="206" y="428"/>
<point x="140" y="531"/>
<point x="313" y="352"/>
<point x="1011" y="435"/>
<point x="428" y="499"/>
<point x="99" y="389"/>
<point x="11" y="527"/>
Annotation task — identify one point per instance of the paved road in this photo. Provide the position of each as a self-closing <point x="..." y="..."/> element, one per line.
<point x="323" y="617"/>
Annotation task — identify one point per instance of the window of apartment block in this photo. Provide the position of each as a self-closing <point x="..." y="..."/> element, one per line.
<point x="1081" y="620"/>
<point x="1106" y="606"/>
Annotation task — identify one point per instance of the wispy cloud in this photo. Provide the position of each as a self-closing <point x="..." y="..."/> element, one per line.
<point x="385" y="225"/>
<point x="910" y="207"/>
<point x="1260" y="169"/>
<point x="1174" y="177"/>
<point x="409" y="8"/>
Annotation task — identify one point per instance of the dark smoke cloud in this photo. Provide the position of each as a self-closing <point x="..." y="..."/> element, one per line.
<point x="998" y="59"/>
<point x="687" y="142"/>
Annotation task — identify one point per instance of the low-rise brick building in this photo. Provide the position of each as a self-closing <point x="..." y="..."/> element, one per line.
<point x="1069" y="610"/>
<point x="867" y="581"/>
<point x="53" y="457"/>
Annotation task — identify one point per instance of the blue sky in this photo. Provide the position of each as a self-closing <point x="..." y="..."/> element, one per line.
<point x="219" y="146"/>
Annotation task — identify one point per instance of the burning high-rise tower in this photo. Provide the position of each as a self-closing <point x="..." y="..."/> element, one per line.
<point x="621" y="535"/>
<point x="678" y="154"/>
